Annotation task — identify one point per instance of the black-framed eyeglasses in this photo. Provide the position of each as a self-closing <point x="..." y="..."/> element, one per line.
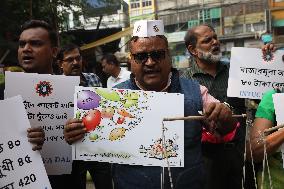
<point x="71" y="59"/>
<point x="141" y="58"/>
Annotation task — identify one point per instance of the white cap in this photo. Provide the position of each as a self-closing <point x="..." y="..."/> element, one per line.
<point x="148" y="28"/>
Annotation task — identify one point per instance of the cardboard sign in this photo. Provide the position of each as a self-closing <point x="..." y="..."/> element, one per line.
<point x="48" y="100"/>
<point x="20" y="166"/>
<point x="252" y="74"/>
<point x="125" y="127"/>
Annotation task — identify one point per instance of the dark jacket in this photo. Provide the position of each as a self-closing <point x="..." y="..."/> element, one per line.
<point x="189" y="176"/>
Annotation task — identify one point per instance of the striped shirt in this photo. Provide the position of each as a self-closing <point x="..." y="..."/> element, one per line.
<point x="217" y="86"/>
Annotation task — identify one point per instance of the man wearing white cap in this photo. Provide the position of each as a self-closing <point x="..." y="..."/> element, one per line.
<point x="152" y="71"/>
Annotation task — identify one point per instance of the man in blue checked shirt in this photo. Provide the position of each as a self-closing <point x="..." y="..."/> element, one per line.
<point x="70" y="61"/>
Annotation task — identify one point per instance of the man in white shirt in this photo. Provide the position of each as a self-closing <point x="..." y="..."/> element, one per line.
<point x="111" y="67"/>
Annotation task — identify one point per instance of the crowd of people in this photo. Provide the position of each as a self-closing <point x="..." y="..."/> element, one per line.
<point x="213" y="148"/>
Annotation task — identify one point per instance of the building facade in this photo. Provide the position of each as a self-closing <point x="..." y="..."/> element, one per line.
<point x="237" y="22"/>
<point x="141" y="9"/>
<point x="277" y="21"/>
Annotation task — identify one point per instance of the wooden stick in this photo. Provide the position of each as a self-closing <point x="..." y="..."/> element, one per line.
<point x="197" y="117"/>
<point x="267" y="131"/>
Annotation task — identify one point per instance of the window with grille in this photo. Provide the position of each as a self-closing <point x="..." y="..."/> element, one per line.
<point x="146" y="3"/>
<point x="134" y="4"/>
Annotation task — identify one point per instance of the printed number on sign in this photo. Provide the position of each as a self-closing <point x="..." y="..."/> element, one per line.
<point x="27" y="180"/>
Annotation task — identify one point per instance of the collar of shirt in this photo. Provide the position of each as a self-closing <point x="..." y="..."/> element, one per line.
<point x="121" y="74"/>
<point x="173" y="84"/>
<point x="221" y="65"/>
<point x="83" y="81"/>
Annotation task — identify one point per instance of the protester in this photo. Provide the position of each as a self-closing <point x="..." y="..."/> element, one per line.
<point x="223" y="156"/>
<point x="38" y="47"/>
<point x="152" y="71"/>
<point x="111" y="66"/>
<point x="70" y="61"/>
<point x="265" y="119"/>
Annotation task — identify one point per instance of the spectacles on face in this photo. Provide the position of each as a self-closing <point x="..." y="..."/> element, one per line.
<point x="70" y="60"/>
<point x="157" y="56"/>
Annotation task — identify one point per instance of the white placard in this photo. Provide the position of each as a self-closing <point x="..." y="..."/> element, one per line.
<point x="48" y="100"/>
<point x="278" y="100"/>
<point x="125" y="126"/>
<point x="20" y="166"/>
<point x="251" y="75"/>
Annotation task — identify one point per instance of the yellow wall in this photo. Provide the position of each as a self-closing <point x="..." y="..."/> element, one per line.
<point x="273" y="4"/>
<point x="278" y="14"/>
<point x="152" y="7"/>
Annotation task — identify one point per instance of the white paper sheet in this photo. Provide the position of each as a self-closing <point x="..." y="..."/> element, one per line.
<point x="125" y="126"/>
<point x="48" y="100"/>
<point x="251" y="75"/>
<point x="20" y="166"/>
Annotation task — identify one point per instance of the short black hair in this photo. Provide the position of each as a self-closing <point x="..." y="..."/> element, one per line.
<point x="66" y="48"/>
<point x="135" y="38"/>
<point x="191" y="37"/>
<point x="42" y="24"/>
<point x="110" y="59"/>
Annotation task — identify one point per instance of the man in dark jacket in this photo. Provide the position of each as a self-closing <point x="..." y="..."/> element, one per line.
<point x="152" y="71"/>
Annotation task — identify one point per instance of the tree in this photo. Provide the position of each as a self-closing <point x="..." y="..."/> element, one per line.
<point x="13" y="13"/>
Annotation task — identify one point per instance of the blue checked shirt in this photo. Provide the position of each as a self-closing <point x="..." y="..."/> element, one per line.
<point x="91" y="80"/>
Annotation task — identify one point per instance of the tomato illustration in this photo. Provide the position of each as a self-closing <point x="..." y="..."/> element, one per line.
<point x="120" y="120"/>
<point x="92" y="119"/>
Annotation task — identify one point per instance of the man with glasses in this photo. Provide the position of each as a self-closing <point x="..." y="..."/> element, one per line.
<point x="111" y="67"/>
<point x="70" y="61"/>
<point x="71" y="64"/>
<point x="152" y="71"/>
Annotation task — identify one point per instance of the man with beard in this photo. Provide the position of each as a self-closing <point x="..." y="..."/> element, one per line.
<point x="152" y="71"/>
<point x="70" y="61"/>
<point x="223" y="156"/>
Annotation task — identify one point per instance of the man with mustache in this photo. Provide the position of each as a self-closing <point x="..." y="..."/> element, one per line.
<point x="70" y="61"/>
<point x="152" y="71"/>
<point x="223" y="156"/>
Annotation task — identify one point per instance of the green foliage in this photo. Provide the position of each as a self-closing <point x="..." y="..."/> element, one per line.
<point x="13" y="13"/>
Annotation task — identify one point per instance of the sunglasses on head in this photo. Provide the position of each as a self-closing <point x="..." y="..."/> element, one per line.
<point x="155" y="55"/>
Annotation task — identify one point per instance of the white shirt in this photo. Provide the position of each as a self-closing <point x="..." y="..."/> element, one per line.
<point x="122" y="76"/>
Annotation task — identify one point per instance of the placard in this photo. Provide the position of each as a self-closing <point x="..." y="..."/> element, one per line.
<point x="125" y="127"/>
<point x="20" y="166"/>
<point x="252" y="73"/>
<point x="48" y="100"/>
